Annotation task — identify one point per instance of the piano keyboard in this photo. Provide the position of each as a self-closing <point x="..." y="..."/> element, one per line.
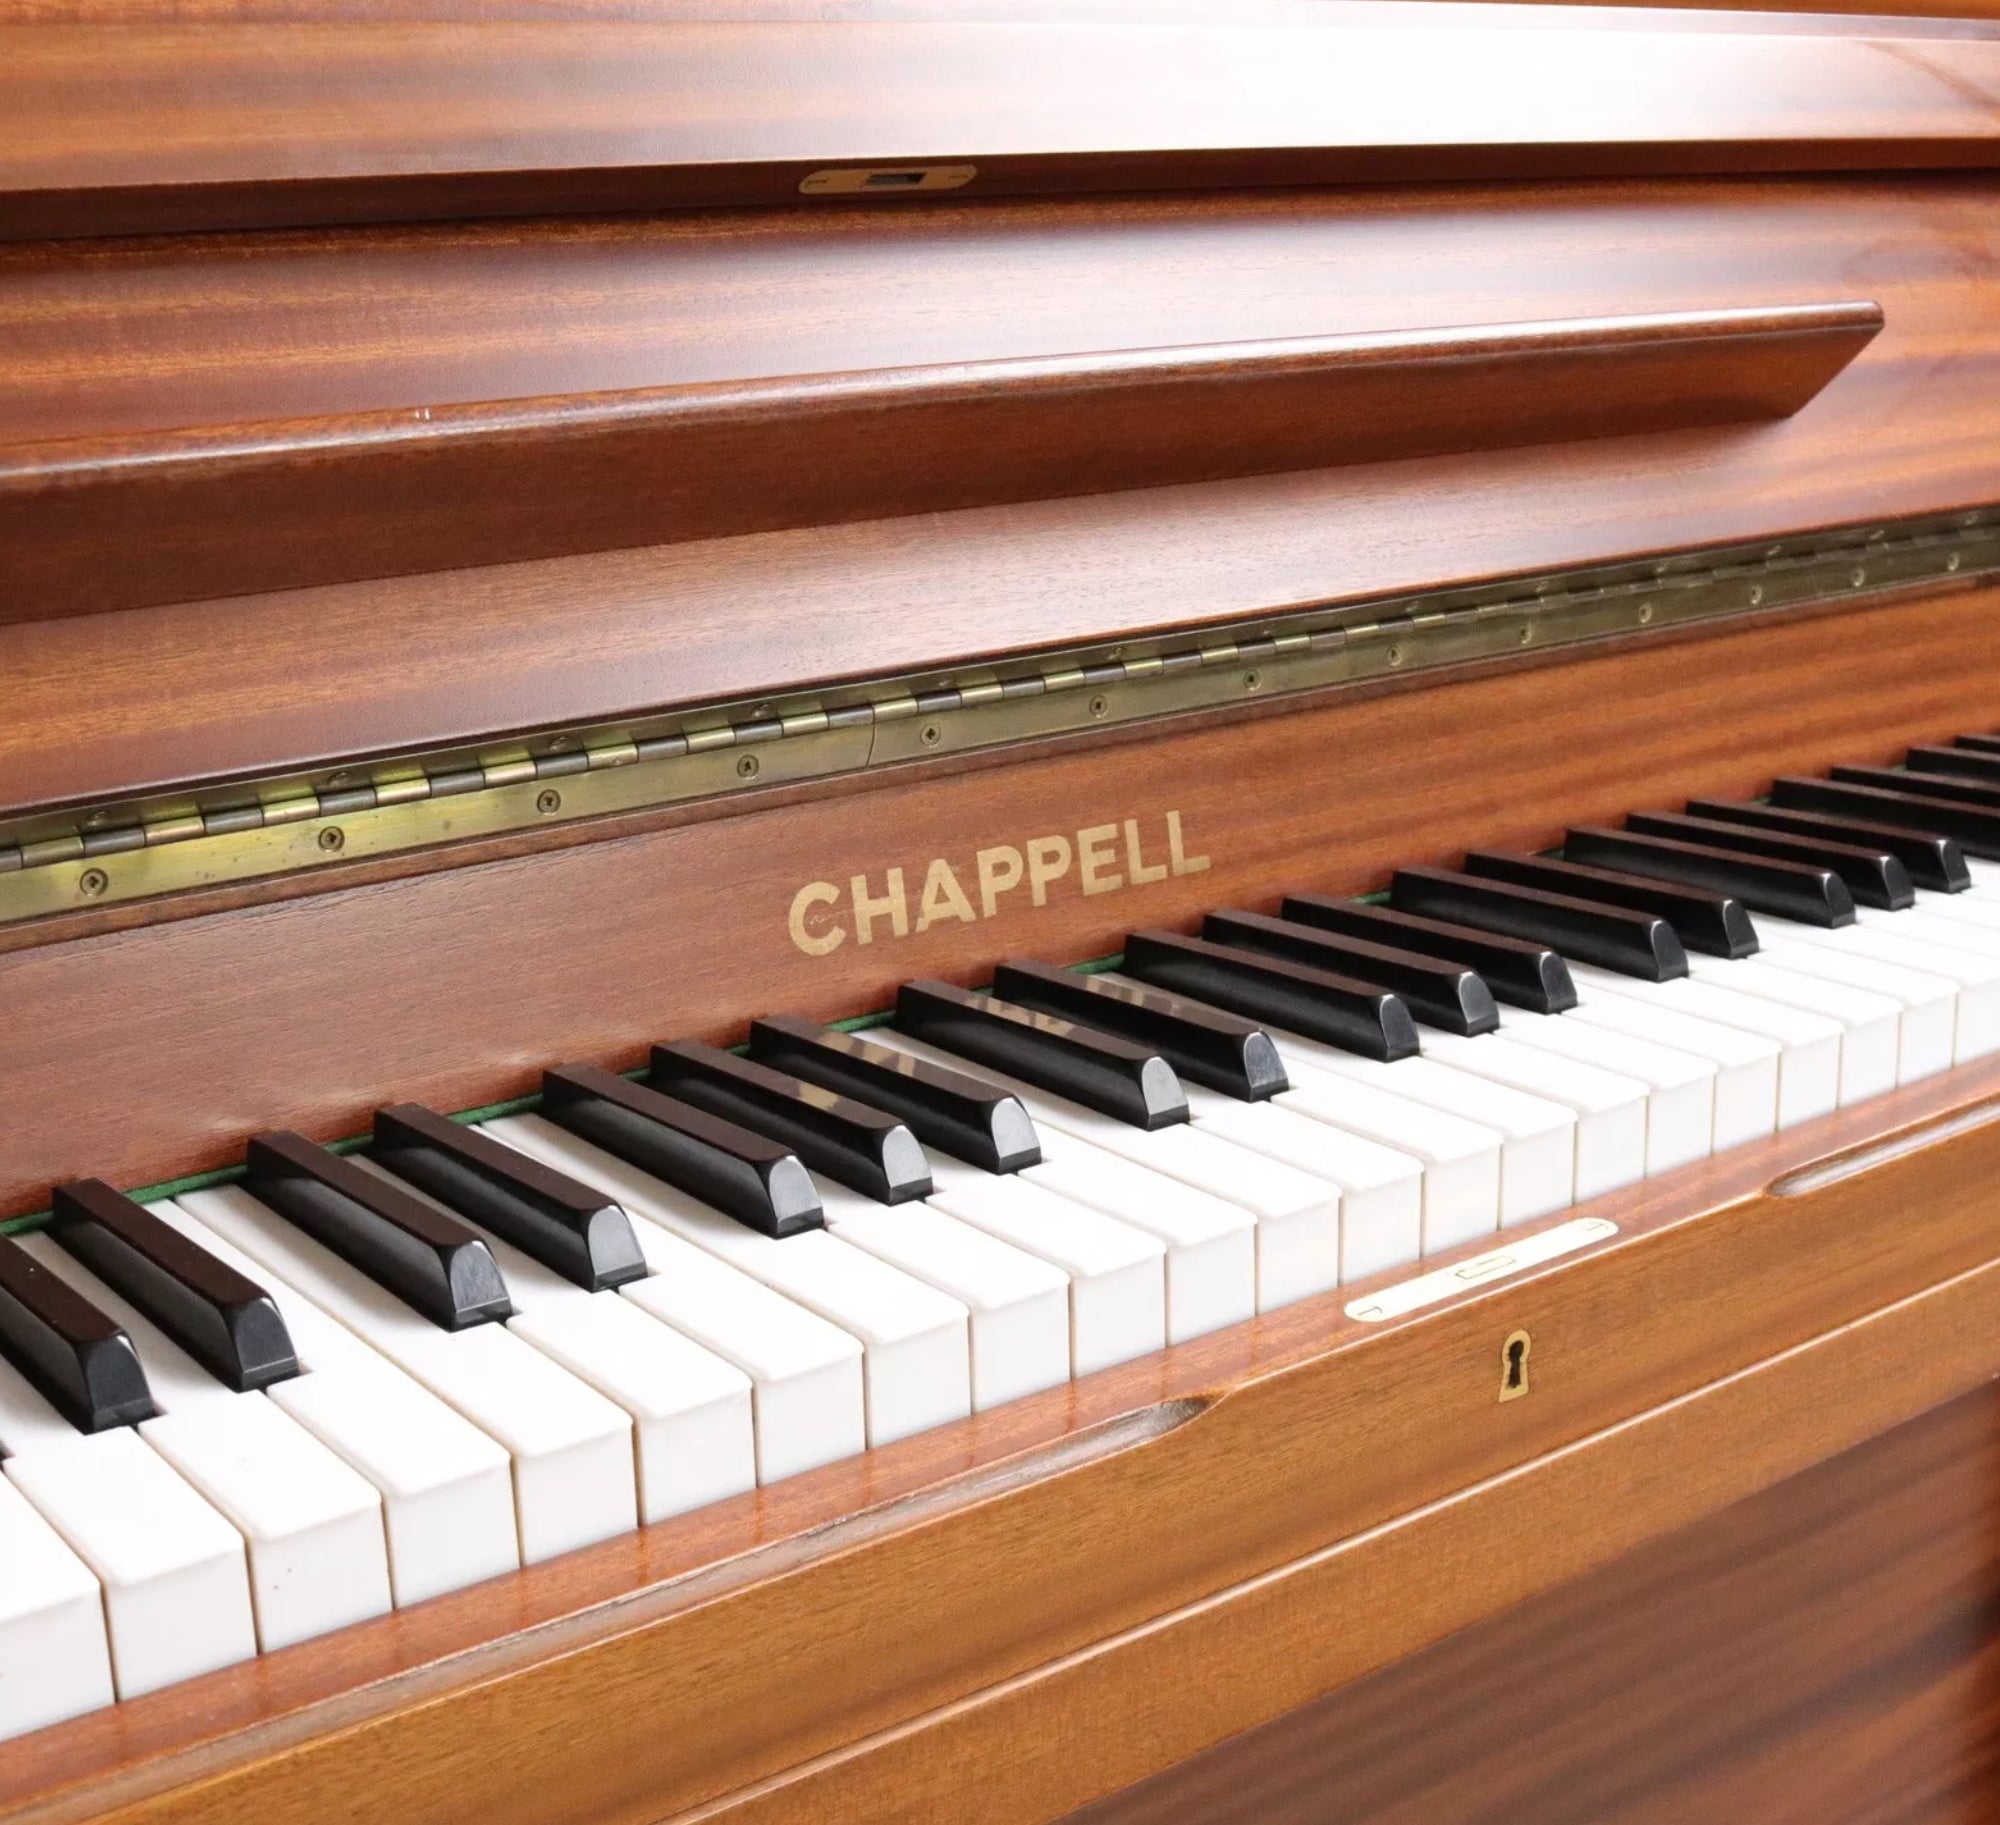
<point x="245" y="1416"/>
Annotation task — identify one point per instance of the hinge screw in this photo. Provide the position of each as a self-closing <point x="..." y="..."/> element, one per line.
<point x="92" y="883"/>
<point x="1952" y="562"/>
<point x="746" y="766"/>
<point x="331" y="838"/>
<point x="1395" y="655"/>
<point x="930" y="735"/>
<point x="1645" y="613"/>
<point x="1098" y="706"/>
<point x="1251" y="680"/>
<point x="1526" y="634"/>
<point x="548" y="803"/>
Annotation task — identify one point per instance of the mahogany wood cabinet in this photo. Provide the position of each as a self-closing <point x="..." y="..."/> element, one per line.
<point x="530" y="532"/>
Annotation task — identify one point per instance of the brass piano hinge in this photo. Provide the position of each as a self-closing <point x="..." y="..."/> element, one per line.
<point x="133" y="851"/>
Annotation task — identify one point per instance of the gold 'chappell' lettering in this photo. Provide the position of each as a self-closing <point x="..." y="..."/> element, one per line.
<point x="964" y="889"/>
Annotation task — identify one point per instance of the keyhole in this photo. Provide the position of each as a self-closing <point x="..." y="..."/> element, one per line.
<point x="1514" y="1366"/>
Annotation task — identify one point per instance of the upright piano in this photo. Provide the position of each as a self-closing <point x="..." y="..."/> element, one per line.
<point x="999" y="912"/>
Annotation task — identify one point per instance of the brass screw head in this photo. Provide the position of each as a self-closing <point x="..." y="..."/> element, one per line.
<point x="548" y="802"/>
<point x="93" y="883"/>
<point x="746" y="766"/>
<point x="332" y="838"/>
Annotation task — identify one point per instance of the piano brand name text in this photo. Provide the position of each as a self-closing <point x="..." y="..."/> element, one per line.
<point x="1100" y="858"/>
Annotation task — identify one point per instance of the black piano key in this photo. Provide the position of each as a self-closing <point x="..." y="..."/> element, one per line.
<point x="1519" y="972"/>
<point x="1873" y="876"/>
<point x="1612" y="937"/>
<point x="81" y="1360"/>
<point x="1959" y="763"/>
<point x="853" y="1144"/>
<point x="1215" y="1048"/>
<point x="1979" y="744"/>
<point x="1337" y="1010"/>
<point x="1117" y="1077"/>
<point x="1787" y="890"/>
<point x="1703" y="921"/>
<point x="223" y="1319"/>
<point x="1935" y="862"/>
<point x="1444" y="995"/>
<point x="1974" y="828"/>
<point x="1926" y="785"/>
<point x="954" y="1111"/>
<point x="759" y="1182"/>
<point x="562" y="1222"/>
<point x="428" y="1259"/>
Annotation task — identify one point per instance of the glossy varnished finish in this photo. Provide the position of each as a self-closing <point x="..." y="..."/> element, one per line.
<point x="1132" y="1569"/>
<point x="309" y="1011"/>
<point x="203" y="511"/>
<point x="1825" y="1653"/>
<point x="135" y="340"/>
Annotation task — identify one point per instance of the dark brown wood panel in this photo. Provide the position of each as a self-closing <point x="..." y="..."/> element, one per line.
<point x="1825" y="1653"/>
<point x="142" y="1053"/>
<point x="201" y="512"/>
<point x="1148" y="1560"/>
<point x="163" y="127"/>
<point x="135" y="337"/>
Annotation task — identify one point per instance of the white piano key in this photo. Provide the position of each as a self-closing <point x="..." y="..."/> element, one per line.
<point x="1381" y="1188"/>
<point x="1610" y="1106"/>
<point x="1019" y="1303"/>
<point x="447" y="1489"/>
<point x="1871" y="1040"/>
<point x="1680" y="1103"/>
<point x="571" y="1448"/>
<point x="1300" y="1215"/>
<point x="916" y="1341"/>
<point x="1117" y="1274"/>
<point x="1809" y="1044"/>
<point x="1962" y="930"/>
<point x="1746" y="1064"/>
<point x="1917" y="946"/>
<point x="318" y="1556"/>
<point x="174" y="1574"/>
<point x="1927" y="1034"/>
<point x="1538" y="1152"/>
<point x="693" y="1434"/>
<point x="55" y="1661"/>
<point x="1974" y="908"/>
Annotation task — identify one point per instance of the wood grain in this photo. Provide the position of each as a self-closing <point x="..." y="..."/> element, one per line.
<point x="1068" y="1622"/>
<point x="457" y="987"/>
<point x="1826" y="1653"/>
<point x="160" y="128"/>
<point x="279" y="505"/>
<point x="127" y="340"/>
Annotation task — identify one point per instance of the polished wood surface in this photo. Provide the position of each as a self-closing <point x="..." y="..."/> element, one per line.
<point x="1825" y="1653"/>
<point x="1145" y="1562"/>
<point x="163" y="127"/>
<point x="130" y="339"/>
<point x="199" y="511"/>
<point x="456" y="986"/>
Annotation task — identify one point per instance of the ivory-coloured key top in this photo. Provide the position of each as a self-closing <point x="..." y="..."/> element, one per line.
<point x="55" y="1660"/>
<point x="223" y="1319"/>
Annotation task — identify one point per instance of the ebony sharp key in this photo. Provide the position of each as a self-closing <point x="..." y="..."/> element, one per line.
<point x="1119" y="1077"/>
<point x="1703" y="921"/>
<point x="1928" y="785"/>
<point x="1223" y="1051"/>
<point x="1356" y="1016"/>
<point x="428" y="1259"/>
<point x="853" y="1144"/>
<point x="1613" y="937"/>
<point x="955" y="1112"/>
<point x="80" y="1359"/>
<point x="563" y="1223"/>
<point x="1975" y="828"/>
<point x="1962" y="763"/>
<point x="1517" y="970"/>
<point x="1873" y="876"/>
<point x="1979" y="744"/>
<point x="1788" y="890"/>
<point x="1444" y="995"/>
<point x="223" y="1319"/>
<point x="759" y="1182"/>
<point x="1935" y="862"/>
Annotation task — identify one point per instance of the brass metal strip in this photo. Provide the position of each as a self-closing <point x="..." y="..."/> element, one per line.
<point x="136" y="851"/>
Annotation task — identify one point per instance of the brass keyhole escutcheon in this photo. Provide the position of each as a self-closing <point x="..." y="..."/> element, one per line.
<point x="1514" y="1366"/>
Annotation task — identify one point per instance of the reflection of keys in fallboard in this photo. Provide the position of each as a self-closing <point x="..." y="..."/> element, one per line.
<point x="351" y="1380"/>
